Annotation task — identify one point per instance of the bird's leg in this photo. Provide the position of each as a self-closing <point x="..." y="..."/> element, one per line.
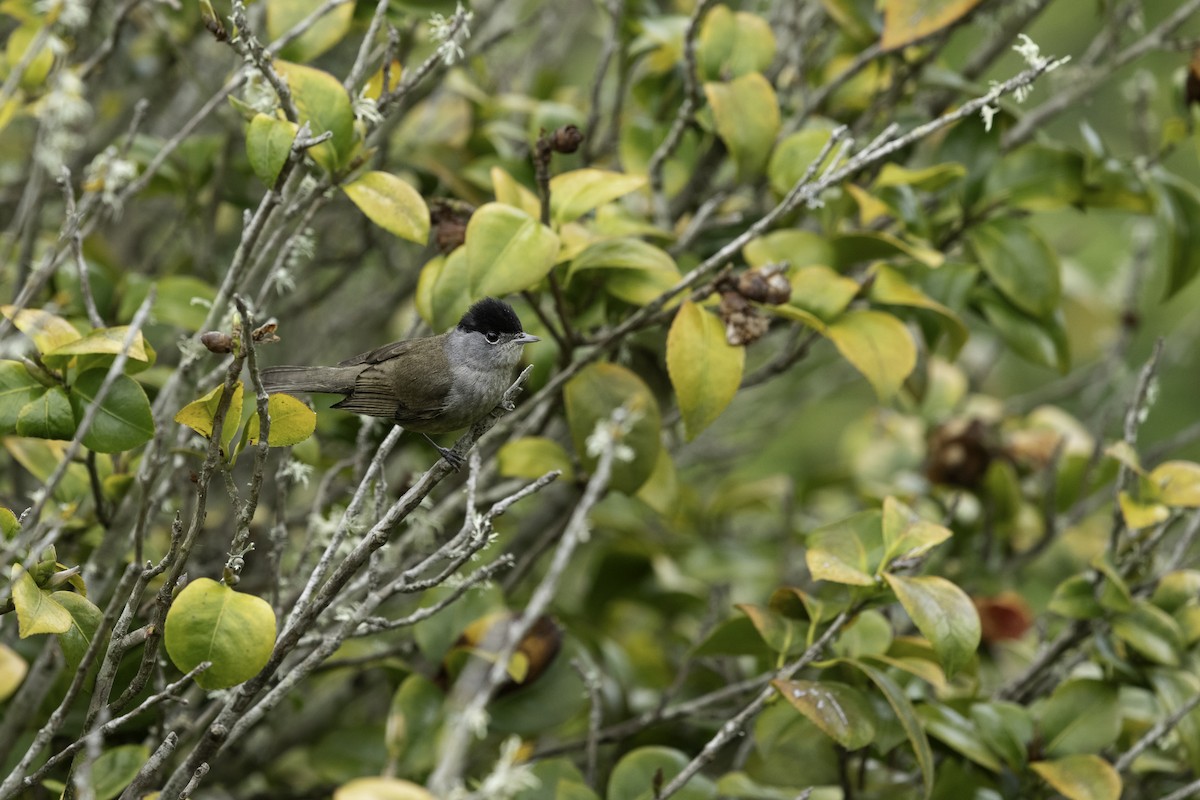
<point x="452" y="458"/>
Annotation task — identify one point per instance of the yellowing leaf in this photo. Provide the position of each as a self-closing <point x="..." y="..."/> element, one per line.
<point x="746" y="114"/>
<point x="592" y="396"/>
<point x="906" y="21"/>
<point x="797" y="248"/>
<point x="878" y="345"/>
<point x="291" y="422"/>
<point x="198" y="414"/>
<point x="209" y="621"/>
<point x="507" y="250"/>
<point x="105" y="341"/>
<point x="532" y="457"/>
<point x="12" y="671"/>
<point x="510" y="192"/>
<point x="381" y="789"/>
<point x="392" y="204"/>
<point x="891" y="288"/>
<point x="1081" y="777"/>
<point x="1139" y="514"/>
<point x="443" y="293"/>
<point x="48" y="331"/>
<point x="37" y="611"/>
<point x="574" y="193"/>
<point x="822" y="291"/>
<point x="705" y="369"/>
<point x="1178" y="483"/>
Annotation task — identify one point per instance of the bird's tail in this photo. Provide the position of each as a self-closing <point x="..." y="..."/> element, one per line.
<point x="334" y="380"/>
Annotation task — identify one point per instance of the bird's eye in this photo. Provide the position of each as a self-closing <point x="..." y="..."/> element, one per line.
<point x="492" y="337"/>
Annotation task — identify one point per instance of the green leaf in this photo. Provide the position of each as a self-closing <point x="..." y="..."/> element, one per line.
<point x="85" y="621"/>
<point x="661" y="489"/>
<point x="840" y="711"/>
<point x="48" y="416"/>
<point x="907" y="21"/>
<point x="1081" y="777"/>
<point x="507" y="250"/>
<point x="9" y="524"/>
<point x="182" y="301"/>
<point x="846" y="551"/>
<point x="855" y="248"/>
<point x="198" y="414"/>
<point x="124" y="421"/>
<point x="638" y="272"/>
<point x="114" y="769"/>
<point x="746" y="114"/>
<point x="1035" y="177"/>
<point x="13" y="669"/>
<point x="575" y="193"/>
<point x="291" y="422"/>
<point x="1006" y="728"/>
<point x="1075" y="598"/>
<point x="209" y="621"/>
<point x="1152" y="632"/>
<point x="905" y="535"/>
<point x="331" y="28"/>
<point x="392" y="204"/>
<point x="1081" y="716"/>
<point x="878" y="345"/>
<point x="1177" y="205"/>
<point x="795" y="154"/>
<point x="927" y="179"/>
<point x="958" y="733"/>
<point x="634" y="776"/>
<point x="41" y="457"/>
<point x="269" y="144"/>
<point x="511" y="192"/>
<point x="944" y="614"/>
<point x="891" y="288"/>
<point x="1019" y="263"/>
<point x="48" y="331"/>
<point x="37" y="611"/>
<point x="906" y="715"/>
<point x="558" y="779"/>
<point x="592" y="396"/>
<point x="822" y="292"/>
<point x="1174" y="688"/>
<point x="324" y="105"/>
<point x="731" y="44"/>
<point x="17" y="389"/>
<point x="532" y="457"/>
<point x="1042" y="341"/>
<point x="19" y="41"/>
<point x="705" y="369"/>
<point x="442" y="290"/>
<point x="797" y="248"/>
<point x="413" y="721"/>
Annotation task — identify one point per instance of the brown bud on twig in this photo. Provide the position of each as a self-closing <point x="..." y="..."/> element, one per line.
<point x="566" y="139"/>
<point x="767" y="284"/>
<point x="217" y="342"/>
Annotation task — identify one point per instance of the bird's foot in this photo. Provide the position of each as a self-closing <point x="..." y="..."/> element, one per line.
<point x="508" y="405"/>
<point x="452" y="458"/>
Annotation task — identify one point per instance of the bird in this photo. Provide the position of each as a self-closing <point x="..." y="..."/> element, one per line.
<point x="433" y="384"/>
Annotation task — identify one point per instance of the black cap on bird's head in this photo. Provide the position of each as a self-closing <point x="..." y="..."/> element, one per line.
<point x="490" y="315"/>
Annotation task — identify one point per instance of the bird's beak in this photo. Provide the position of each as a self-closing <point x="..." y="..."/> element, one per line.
<point x="526" y="338"/>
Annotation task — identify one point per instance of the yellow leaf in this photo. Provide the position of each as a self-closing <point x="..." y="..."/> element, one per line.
<point x="878" y="345"/>
<point x="48" y="331"/>
<point x="1081" y="777"/>
<point x="906" y="21"/>
<point x="1178" y="483"/>
<point x="705" y="369"/>
<point x="392" y="204"/>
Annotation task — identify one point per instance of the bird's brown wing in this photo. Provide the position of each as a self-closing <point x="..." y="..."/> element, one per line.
<point x="378" y="354"/>
<point x="378" y="389"/>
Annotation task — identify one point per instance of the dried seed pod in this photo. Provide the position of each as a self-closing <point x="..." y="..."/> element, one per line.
<point x="753" y="285"/>
<point x="265" y="333"/>
<point x="959" y="453"/>
<point x="449" y="219"/>
<point x="743" y="322"/>
<point x="779" y="289"/>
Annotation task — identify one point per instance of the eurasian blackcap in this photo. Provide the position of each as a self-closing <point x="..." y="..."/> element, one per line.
<point x="435" y="384"/>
